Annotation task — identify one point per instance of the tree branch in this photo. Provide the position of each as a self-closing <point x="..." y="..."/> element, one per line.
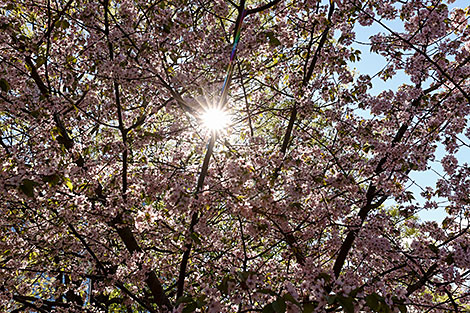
<point x="263" y="7"/>
<point x="420" y="283"/>
<point x="152" y="281"/>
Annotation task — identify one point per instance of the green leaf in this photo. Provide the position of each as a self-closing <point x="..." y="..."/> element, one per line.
<point x="279" y="305"/>
<point x="4" y="85"/>
<point x="325" y="276"/>
<point x="372" y="301"/>
<point x="195" y="238"/>
<point x="268" y="309"/>
<point x="27" y="187"/>
<point x="273" y="41"/>
<point x="346" y="303"/>
<point x="384" y="308"/>
<point x="62" y="24"/>
<point x="35" y="113"/>
<point x="400" y="304"/>
<point x="354" y="292"/>
<point x="40" y="61"/>
<point x="107" y="148"/>
<point x="71" y="59"/>
<point x="450" y="259"/>
<point x="308" y="308"/>
<point x="190" y="307"/>
<point x="223" y="287"/>
<point x="290" y="298"/>
<point x="377" y="303"/>
<point x="52" y="180"/>
<point x="201" y="301"/>
<point x="167" y="27"/>
<point x="69" y="184"/>
<point x="331" y="299"/>
<point x="446" y="222"/>
<point x="367" y="147"/>
<point x="184" y="300"/>
<point x="267" y="292"/>
<point x="402" y="308"/>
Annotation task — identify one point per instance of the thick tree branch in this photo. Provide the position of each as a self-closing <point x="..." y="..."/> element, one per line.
<point x="185" y="258"/>
<point x="152" y="281"/>
<point x="29" y="302"/>
<point x="420" y="283"/>
<point x="370" y="194"/>
<point x="452" y="301"/>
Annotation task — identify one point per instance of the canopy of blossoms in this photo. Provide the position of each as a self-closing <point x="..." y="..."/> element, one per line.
<point x="118" y="193"/>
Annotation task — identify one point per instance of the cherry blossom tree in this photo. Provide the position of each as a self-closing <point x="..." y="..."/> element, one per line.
<point x="115" y="196"/>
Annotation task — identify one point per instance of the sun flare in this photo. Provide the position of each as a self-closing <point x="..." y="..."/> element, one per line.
<point x="215" y="119"/>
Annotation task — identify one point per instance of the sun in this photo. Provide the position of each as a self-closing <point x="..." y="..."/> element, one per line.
<point x="215" y="119"/>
